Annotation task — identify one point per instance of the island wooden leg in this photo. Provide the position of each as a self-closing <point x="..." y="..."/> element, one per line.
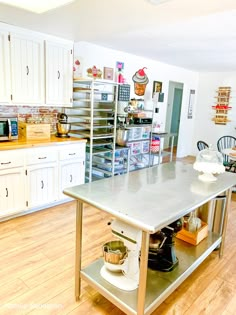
<point x="143" y="274"/>
<point x="78" y="248"/>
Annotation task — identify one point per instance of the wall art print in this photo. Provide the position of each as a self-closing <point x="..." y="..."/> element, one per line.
<point x="140" y="80"/>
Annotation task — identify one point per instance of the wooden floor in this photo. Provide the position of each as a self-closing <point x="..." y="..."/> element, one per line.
<point x="37" y="268"/>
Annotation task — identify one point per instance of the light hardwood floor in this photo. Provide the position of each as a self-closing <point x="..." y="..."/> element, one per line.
<point x="37" y="268"/>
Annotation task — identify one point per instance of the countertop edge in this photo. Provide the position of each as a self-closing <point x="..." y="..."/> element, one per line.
<point x="24" y="144"/>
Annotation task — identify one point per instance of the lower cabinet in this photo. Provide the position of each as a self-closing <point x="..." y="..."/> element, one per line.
<point x="34" y="178"/>
<point x="70" y="175"/>
<point x="42" y="184"/>
<point x="12" y="191"/>
<point x="71" y="167"/>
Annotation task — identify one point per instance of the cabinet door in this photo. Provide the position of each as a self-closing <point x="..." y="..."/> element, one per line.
<point x="4" y="66"/>
<point x="59" y="74"/>
<point x="71" y="174"/>
<point x="27" y="69"/>
<point x="12" y="191"/>
<point x="42" y="184"/>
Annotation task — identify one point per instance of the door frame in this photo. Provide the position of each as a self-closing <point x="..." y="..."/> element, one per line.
<point x="169" y="110"/>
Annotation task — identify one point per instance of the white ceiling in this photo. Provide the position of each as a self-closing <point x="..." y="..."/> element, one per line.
<point x="194" y="34"/>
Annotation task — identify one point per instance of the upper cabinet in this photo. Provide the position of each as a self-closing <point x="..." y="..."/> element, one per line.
<point x="59" y="73"/>
<point x="36" y="69"/>
<point x="5" y="91"/>
<point x="27" y="69"/>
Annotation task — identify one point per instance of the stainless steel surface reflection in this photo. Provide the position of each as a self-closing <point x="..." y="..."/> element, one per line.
<point x="154" y="197"/>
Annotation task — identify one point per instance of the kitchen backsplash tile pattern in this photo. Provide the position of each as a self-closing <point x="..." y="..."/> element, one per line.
<point x="34" y="114"/>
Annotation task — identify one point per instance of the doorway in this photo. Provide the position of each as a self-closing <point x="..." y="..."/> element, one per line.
<point x="174" y="104"/>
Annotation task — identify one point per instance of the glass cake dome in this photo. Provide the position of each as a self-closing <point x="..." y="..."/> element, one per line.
<point x="209" y="162"/>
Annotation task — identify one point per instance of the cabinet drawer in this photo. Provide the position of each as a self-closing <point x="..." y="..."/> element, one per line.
<point x="9" y="159"/>
<point x="36" y="156"/>
<point x="72" y="152"/>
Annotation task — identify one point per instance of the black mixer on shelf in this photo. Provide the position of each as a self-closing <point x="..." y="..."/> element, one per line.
<point x="162" y="255"/>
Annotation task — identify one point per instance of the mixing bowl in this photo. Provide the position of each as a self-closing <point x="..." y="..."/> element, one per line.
<point x="63" y="128"/>
<point x="114" y="252"/>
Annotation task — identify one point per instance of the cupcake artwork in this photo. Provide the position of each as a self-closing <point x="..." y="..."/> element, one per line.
<point x="140" y="80"/>
<point x="78" y="67"/>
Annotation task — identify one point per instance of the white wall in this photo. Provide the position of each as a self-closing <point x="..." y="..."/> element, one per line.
<point x="156" y="71"/>
<point x="205" y="129"/>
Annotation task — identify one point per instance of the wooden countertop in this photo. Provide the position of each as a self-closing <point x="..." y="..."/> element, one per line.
<point x="23" y="143"/>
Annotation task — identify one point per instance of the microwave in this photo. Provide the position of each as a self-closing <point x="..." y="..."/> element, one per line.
<point x="8" y="128"/>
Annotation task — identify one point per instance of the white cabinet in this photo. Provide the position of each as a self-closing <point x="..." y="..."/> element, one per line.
<point x="12" y="183"/>
<point x="4" y="66"/>
<point x="12" y="196"/>
<point x="41" y="176"/>
<point x="59" y="73"/>
<point x="34" y="178"/>
<point x="36" y="68"/>
<point x="71" y="167"/>
<point x="27" y="69"/>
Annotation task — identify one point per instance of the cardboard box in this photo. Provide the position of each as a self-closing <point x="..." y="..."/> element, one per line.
<point x="193" y="238"/>
<point x="33" y="131"/>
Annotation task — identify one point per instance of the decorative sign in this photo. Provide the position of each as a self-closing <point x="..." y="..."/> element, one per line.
<point x="94" y="72"/>
<point x="108" y="73"/>
<point x="190" y="104"/>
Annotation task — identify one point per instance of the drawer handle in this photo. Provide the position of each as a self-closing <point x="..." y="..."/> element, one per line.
<point x="71" y="178"/>
<point x="42" y="158"/>
<point x="27" y="70"/>
<point x="58" y="74"/>
<point x="72" y="153"/>
<point x="6" y="192"/>
<point x="42" y="184"/>
<point x="5" y="163"/>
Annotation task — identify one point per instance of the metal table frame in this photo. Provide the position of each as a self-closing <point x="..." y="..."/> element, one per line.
<point x="140" y="296"/>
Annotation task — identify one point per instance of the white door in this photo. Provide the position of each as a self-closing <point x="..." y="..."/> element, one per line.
<point x="71" y="174"/>
<point x="59" y="74"/>
<point x="42" y="184"/>
<point x="27" y="69"/>
<point x="12" y="191"/>
<point x="5" y="93"/>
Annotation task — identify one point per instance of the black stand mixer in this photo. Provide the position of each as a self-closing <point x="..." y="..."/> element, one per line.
<point x="161" y="248"/>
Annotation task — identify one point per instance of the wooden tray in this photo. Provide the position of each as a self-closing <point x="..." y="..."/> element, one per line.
<point x="193" y="238"/>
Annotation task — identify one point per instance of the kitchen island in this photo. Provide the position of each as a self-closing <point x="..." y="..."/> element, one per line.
<point x="150" y="199"/>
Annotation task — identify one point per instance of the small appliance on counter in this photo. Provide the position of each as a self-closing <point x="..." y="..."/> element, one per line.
<point x="63" y="127"/>
<point x="8" y="128"/>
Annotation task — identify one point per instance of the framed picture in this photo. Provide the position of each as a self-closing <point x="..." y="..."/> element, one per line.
<point x="108" y="73"/>
<point x="157" y="87"/>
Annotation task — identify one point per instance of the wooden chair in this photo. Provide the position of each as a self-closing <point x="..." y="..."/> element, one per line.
<point x="201" y="145"/>
<point x="226" y="142"/>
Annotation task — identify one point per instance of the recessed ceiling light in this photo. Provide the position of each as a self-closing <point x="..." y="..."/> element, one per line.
<point x="40" y="6"/>
<point x="157" y="1"/>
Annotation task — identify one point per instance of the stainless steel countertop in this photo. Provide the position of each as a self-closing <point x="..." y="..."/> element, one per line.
<point x="152" y="198"/>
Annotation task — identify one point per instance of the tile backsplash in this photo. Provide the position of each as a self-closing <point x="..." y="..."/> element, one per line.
<point x="34" y="114"/>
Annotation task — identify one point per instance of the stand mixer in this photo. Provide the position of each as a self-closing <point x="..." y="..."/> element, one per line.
<point x="126" y="275"/>
<point x="162" y="255"/>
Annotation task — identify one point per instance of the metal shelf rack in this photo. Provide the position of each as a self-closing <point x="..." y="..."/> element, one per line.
<point x="93" y="117"/>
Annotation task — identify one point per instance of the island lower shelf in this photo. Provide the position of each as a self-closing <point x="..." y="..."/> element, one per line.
<point x="159" y="284"/>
